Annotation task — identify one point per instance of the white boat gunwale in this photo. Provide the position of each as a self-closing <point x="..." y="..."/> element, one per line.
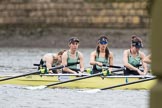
<point x="111" y="76"/>
<point x="86" y="74"/>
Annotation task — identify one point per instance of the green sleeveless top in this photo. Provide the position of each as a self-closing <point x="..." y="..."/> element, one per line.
<point x="103" y="60"/>
<point x="135" y="61"/>
<point x="72" y="60"/>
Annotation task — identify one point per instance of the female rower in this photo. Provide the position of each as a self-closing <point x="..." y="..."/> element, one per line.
<point x="51" y="60"/>
<point x="72" y="56"/>
<point x="133" y="58"/>
<point x="101" y="56"/>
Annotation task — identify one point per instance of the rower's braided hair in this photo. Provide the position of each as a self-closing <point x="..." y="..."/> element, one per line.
<point x="107" y="52"/>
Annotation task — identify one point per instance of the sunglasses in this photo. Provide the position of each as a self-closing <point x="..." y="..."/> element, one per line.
<point x="103" y="42"/>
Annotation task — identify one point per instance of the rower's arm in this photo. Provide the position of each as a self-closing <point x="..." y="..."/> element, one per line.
<point x="92" y="59"/>
<point x="143" y="63"/>
<point x="111" y="60"/>
<point x="49" y="62"/>
<point x="147" y="59"/>
<point x="81" y="58"/>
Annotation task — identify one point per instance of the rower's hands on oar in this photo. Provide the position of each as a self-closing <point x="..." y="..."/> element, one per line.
<point x="50" y="72"/>
<point x="80" y="73"/>
<point x="82" y="70"/>
<point x="140" y="72"/>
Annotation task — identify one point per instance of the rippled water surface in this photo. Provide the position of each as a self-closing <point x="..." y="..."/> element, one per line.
<point x="21" y="60"/>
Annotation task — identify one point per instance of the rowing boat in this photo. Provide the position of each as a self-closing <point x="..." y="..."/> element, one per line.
<point x="89" y="83"/>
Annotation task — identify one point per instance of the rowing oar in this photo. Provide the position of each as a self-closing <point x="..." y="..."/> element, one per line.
<point x="41" y="65"/>
<point x="58" y="67"/>
<point x="125" y="84"/>
<point x="112" y="66"/>
<point x="120" y="85"/>
<point x="72" y="80"/>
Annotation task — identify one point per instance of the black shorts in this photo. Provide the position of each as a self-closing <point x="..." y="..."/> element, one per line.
<point x="130" y="72"/>
<point x="95" y="70"/>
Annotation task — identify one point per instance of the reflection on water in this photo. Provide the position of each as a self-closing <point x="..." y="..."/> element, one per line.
<point x="19" y="60"/>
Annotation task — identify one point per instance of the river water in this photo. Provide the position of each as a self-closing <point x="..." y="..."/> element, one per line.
<point x="21" y="60"/>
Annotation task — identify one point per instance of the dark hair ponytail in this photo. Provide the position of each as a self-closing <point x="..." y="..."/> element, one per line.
<point x="107" y="52"/>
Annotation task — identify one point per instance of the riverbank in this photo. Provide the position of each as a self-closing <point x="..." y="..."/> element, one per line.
<point x="55" y="37"/>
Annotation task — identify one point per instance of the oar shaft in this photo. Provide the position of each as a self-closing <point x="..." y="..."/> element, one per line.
<point x="111" y="66"/>
<point x="41" y="65"/>
<point x="38" y="65"/>
<point x="18" y="76"/>
<point x="117" y="70"/>
<point x="134" y="82"/>
<point x="58" y="67"/>
<point x="62" y="66"/>
<point x="76" y="79"/>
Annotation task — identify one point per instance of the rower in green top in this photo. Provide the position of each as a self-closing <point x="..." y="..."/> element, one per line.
<point x="72" y="60"/>
<point x="133" y="57"/>
<point x="72" y="56"/>
<point x="101" y="56"/>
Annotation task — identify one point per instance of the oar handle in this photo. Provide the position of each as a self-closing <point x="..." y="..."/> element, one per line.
<point x="42" y="65"/>
<point x="112" y="66"/>
<point x="39" y="65"/>
<point x="62" y="66"/>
